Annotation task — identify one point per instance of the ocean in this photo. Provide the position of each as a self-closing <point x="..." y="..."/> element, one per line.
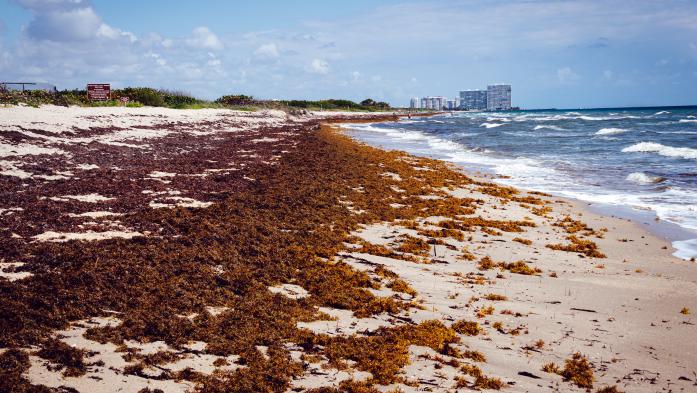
<point x="625" y="159"/>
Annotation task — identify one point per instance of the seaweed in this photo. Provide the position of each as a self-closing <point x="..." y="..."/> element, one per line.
<point x="64" y="356"/>
<point x="399" y="285"/>
<point x="584" y="247"/>
<point x="577" y="369"/>
<point x="520" y="267"/>
<point x="522" y="241"/>
<point x="468" y="328"/>
<point x="284" y="226"/>
<point x="495" y="297"/>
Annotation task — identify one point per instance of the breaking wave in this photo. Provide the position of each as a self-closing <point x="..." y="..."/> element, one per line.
<point x="666" y="151"/>
<point x="643" y="178"/>
<point x="611" y="131"/>
<point x="492" y="125"/>
<point x="543" y="127"/>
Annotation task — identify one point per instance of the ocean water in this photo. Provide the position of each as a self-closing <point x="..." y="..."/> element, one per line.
<point x="643" y="159"/>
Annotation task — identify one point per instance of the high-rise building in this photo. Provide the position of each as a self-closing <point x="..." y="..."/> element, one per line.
<point x="439" y="103"/>
<point x="498" y="97"/>
<point x="473" y="99"/>
<point x="434" y="102"/>
<point x="414" y="103"/>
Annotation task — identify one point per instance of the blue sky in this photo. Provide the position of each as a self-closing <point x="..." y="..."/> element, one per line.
<point x="568" y="54"/>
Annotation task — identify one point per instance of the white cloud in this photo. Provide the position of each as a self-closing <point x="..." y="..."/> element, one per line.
<point x="203" y="38"/>
<point x="70" y="50"/>
<point x="319" y="66"/>
<point x="269" y="51"/>
<point x="109" y="32"/>
<point x="49" y="5"/>
<point x="76" y="24"/>
<point x="566" y="75"/>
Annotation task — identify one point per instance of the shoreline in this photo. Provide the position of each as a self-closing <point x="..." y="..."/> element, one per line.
<point x="294" y="258"/>
<point x="646" y="218"/>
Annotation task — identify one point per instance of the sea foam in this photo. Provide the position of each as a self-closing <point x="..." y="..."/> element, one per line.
<point x="643" y="178"/>
<point x="491" y="125"/>
<point x="542" y="127"/>
<point x="666" y="151"/>
<point x="611" y="131"/>
<point x="685" y="249"/>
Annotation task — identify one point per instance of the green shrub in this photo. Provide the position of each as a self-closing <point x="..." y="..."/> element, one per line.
<point x="145" y="95"/>
<point x="235" y="100"/>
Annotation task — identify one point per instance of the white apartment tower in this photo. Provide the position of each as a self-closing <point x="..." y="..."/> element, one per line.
<point x="498" y="97"/>
<point x="473" y="99"/>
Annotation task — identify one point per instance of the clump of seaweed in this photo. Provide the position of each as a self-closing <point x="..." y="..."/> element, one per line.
<point x="522" y="241"/>
<point x="542" y="211"/>
<point x="468" y="328"/>
<point x="495" y="297"/>
<point x="414" y="245"/>
<point x="484" y="311"/>
<point x="520" y="267"/>
<point x="399" y="285"/>
<point x="386" y="352"/>
<point x="443" y="233"/>
<point x="486" y="263"/>
<point x="577" y="370"/>
<point x="474" y="355"/>
<point x="64" y="357"/>
<point x="584" y="247"/>
<point x="13" y="363"/>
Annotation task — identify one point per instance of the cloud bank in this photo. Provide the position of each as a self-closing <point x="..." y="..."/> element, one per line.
<point x="555" y="53"/>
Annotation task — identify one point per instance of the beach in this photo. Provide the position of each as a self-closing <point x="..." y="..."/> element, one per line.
<point x="218" y="250"/>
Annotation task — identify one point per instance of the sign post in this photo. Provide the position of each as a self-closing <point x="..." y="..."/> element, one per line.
<point x="99" y="92"/>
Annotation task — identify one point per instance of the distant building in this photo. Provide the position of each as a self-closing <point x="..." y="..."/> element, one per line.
<point x="473" y="100"/>
<point x="414" y="103"/>
<point x="498" y="97"/>
<point x="437" y="103"/>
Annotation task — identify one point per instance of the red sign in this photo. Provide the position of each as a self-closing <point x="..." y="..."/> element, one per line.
<point x="98" y="91"/>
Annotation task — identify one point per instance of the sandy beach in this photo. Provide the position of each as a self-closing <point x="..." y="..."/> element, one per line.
<point x="215" y="250"/>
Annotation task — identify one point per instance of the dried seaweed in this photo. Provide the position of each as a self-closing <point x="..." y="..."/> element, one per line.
<point x="581" y="246"/>
<point x="285" y="226"/>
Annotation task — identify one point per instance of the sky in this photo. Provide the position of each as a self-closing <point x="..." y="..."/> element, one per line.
<point x="563" y="54"/>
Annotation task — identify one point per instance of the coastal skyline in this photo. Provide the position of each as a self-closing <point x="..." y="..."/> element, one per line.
<point x="558" y="54"/>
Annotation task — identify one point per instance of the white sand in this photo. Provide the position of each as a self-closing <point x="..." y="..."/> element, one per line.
<point x="109" y="377"/>
<point x="291" y="291"/>
<point x="50" y="236"/>
<point x="13" y="276"/>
